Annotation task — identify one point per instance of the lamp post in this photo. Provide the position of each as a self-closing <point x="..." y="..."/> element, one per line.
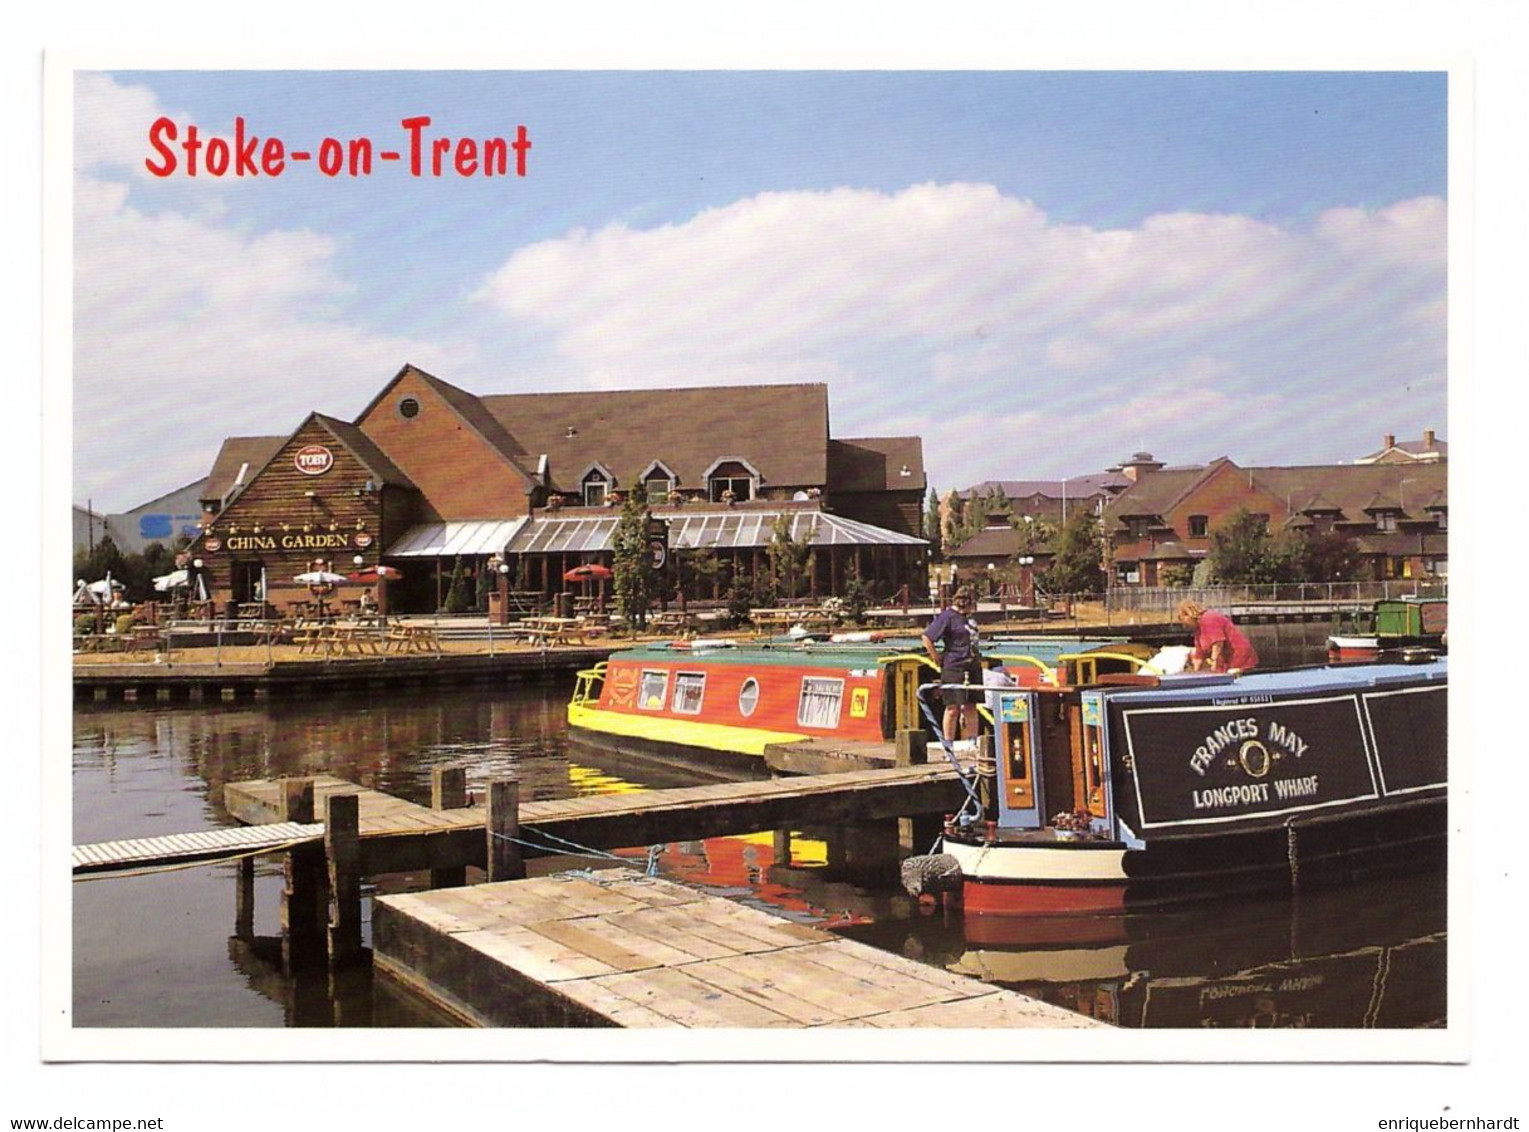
<point x="1027" y="579"/>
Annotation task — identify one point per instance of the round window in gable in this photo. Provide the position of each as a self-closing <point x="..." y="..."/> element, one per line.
<point x="408" y="408"/>
<point x="748" y="697"/>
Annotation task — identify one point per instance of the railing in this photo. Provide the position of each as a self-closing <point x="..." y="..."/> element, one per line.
<point x="1165" y="599"/>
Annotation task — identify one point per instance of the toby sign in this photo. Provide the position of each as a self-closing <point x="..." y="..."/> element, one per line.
<point x="313" y="459"/>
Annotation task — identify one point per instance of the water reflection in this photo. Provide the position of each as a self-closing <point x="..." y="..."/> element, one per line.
<point x="163" y="950"/>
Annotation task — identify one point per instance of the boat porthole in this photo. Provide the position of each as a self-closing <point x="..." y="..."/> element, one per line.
<point x="748" y="697"/>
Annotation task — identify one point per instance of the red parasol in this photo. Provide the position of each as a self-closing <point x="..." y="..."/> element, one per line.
<point x="587" y="571"/>
<point x="372" y="574"/>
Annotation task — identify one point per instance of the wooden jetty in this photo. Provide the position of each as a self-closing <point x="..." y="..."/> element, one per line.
<point x="614" y="948"/>
<point x="400" y="836"/>
<point x="133" y="679"/>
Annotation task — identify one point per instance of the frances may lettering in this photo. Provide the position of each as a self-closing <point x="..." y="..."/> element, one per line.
<point x="1247" y="762"/>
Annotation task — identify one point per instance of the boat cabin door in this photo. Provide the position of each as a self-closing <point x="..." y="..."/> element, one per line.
<point x="1016" y="745"/>
<point x="904" y="675"/>
<point x="1090" y="761"/>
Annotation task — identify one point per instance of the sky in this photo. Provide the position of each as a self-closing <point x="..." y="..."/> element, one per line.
<point x="1039" y="273"/>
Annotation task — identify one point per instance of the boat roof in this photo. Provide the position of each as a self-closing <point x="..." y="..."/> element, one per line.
<point x="846" y="654"/>
<point x="1318" y="678"/>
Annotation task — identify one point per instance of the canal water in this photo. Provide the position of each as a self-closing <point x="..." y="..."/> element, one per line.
<point x="162" y="950"/>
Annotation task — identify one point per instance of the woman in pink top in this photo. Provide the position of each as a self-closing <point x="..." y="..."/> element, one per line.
<point x="1219" y="645"/>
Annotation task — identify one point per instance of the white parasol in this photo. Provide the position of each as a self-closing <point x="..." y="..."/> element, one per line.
<point x="174" y="580"/>
<point x="320" y="578"/>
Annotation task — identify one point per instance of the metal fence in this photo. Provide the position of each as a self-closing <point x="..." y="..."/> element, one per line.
<point x="1165" y="599"/>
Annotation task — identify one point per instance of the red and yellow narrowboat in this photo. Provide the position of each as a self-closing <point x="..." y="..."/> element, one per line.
<point x="715" y="698"/>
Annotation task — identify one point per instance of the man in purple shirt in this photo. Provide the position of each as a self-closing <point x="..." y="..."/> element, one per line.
<point x="959" y="660"/>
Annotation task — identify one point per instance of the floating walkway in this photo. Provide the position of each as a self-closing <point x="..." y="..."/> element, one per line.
<point x="181" y="848"/>
<point x="614" y="948"/>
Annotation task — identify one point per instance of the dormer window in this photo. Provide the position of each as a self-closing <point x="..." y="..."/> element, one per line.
<point x="657" y="482"/>
<point x="595" y="486"/>
<point x="731" y="481"/>
<point x="1137" y="525"/>
<point x="1385" y="520"/>
<point x="1441" y="516"/>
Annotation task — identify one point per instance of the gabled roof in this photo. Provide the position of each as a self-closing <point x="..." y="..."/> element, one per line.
<point x="383" y="470"/>
<point x="472" y="412"/>
<point x="250" y="453"/>
<point x="780" y="429"/>
<point x="877" y="463"/>
<point x="1352" y="492"/>
<point x="992" y="543"/>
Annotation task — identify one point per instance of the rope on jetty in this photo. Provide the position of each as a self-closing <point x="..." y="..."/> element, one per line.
<point x="574" y="849"/>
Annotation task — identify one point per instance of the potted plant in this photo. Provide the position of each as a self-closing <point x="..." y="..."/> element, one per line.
<point x="1071" y="825"/>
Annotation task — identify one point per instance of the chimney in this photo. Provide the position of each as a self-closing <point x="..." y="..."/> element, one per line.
<point x="1428" y="438"/>
<point x="1390" y="440"/>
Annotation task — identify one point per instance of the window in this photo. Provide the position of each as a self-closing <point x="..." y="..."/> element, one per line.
<point x="748" y="697"/>
<point x="1199" y="526"/>
<point x="652" y="689"/>
<point x="733" y="476"/>
<point x="819" y="703"/>
<point x="408" y="408"/>
<point x="1442" y="517"/>
<point x="1385" y="520"/>
<point x="1437" y="567"/>
<point x="595" y="487"/>
<point x="688" y="690"/>
<point x="657" y="489"/>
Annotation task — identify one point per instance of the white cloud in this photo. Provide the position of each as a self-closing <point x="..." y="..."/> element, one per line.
<point x="186" y="332"/>
<point x="975" y="305"/>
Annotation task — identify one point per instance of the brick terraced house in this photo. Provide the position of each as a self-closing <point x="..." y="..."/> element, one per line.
<point x="1397" y="513"/>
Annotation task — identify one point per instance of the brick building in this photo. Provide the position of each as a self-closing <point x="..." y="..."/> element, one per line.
<point x="430" y="477"/>
<point x="1397" y="513"/>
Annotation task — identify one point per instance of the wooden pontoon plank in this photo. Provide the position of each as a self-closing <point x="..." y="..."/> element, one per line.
<point x="658" y="954"/>
<point x="688" y="1002"/>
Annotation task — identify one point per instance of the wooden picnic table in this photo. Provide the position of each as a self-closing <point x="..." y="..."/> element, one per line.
<point x="403" y="637"/>
<point x="546" y="631"/>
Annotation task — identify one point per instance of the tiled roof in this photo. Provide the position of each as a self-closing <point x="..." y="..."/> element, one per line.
<point x="877" y="463"/>
<point x="782" y="430"/>
<point x="251" y="453"/>
<point x="990" y="543"/>
<point x="1353" y="490"/>
<point x="364" y="450"/>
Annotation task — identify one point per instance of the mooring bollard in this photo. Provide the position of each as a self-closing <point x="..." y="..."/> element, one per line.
<point x="503" y="831"/>
<point x="304" y="903"/>
<point x="448" y="791"/>
<point x="342" y="849"/>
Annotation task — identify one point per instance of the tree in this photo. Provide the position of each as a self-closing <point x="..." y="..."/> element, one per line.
<point x="636" y="580"/>
<point x="791" y="559"/>
<point x="698" y="570"/>
<point x="1328" y="556"/>
<point x="931" y="524"/>
<point x="456" y="593"/>
<point x="1077" y="553"/>
<point x="1243" y="552"/>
